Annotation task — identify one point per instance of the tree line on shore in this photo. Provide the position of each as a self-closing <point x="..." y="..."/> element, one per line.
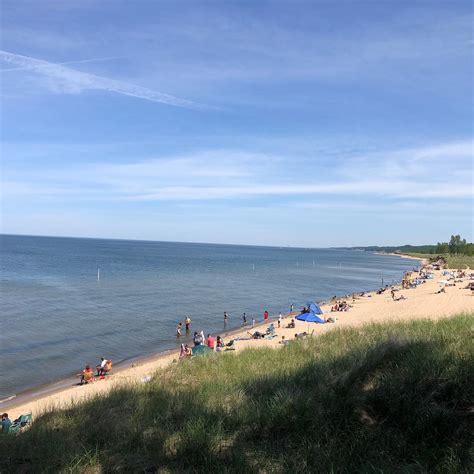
<point x="455" y="246"/>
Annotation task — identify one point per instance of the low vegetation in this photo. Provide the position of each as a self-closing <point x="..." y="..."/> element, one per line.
<point x="381" y="398"/>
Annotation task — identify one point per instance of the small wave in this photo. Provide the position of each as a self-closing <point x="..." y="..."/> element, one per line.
<point x="7" y="399"/>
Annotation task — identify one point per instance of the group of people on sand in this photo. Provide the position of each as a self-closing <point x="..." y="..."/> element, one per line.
<point x="102" y="369"/>
<point x="218" y="343"/>
<point x="341" y="305"/>
<point x="212" y="343"/>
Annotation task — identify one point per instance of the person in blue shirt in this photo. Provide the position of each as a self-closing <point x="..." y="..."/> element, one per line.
<point x="6" y="423"/>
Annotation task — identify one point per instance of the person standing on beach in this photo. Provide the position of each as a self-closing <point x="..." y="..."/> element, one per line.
<point x="265" y="316"/>
<point x="291" y="307"/>
<point x="178" y="329"/>
<point x="187" y="322"/>
<point x="279" y="320"/>
<point x="244" y="318"/>
<point x="253" y="322"/>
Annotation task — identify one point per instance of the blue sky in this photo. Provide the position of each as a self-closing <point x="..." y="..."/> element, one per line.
<point x="275" y="123"/>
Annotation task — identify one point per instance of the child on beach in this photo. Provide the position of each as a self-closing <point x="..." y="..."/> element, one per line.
<point x="253" y="322"/>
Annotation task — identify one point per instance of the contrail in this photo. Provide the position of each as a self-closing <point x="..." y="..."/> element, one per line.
<point x="80" y="61"/>
<point x="82" y="80"/>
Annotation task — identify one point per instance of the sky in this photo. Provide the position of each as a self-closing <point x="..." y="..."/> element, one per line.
<point x="314" y="124"/>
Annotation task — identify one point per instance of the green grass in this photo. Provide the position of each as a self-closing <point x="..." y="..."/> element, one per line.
<point x="454" y="261"/>
<point x="380" y="398"/>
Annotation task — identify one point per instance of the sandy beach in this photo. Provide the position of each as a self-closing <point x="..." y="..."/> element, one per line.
<point x="420" y="302"/>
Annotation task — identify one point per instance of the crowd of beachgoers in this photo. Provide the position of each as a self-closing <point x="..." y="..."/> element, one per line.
<point x="200" y="343"/>
<point x="411" y="280"/>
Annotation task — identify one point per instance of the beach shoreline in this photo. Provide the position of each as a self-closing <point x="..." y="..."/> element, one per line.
<point x="137" y="370"/>
<point x="64" y="384"/>
<point x="53" y="387"/>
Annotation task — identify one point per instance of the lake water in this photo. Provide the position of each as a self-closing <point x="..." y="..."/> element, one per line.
<point x="56" y="316"/>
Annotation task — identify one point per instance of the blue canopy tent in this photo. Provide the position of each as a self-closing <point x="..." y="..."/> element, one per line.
<point x="310" y="318"/>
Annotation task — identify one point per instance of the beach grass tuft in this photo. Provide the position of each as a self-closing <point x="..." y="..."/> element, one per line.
<point x="380" y="398"/>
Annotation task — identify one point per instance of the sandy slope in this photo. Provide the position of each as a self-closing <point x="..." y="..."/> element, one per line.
<point x="421" y="302"/>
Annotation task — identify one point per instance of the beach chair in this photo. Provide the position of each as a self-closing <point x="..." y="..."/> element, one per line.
<point x="270" y="330"/>
<point x="14" y="428"/>
<point x="20" y="423"/>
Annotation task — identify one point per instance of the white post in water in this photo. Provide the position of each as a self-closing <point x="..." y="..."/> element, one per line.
<point x="98" y="274"/>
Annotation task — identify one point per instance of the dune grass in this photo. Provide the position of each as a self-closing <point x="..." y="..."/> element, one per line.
<point x="380" y="398"/>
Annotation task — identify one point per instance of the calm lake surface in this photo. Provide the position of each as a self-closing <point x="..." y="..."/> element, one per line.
<point x="56" y="316"/>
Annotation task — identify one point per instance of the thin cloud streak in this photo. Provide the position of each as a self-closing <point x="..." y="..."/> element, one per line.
<point x="225" y="175"/>
<point x="77" y="81"/>
<point x="80" y="61"/>
<point x="386" y="189"/>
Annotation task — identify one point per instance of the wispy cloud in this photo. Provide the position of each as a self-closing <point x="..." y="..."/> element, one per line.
<point x="80" y="61"/>
<point x="434" y="172"/>
<point x="73" y="81"/>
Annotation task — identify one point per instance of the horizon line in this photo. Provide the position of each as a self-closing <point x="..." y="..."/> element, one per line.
<point x="207" y="243"/>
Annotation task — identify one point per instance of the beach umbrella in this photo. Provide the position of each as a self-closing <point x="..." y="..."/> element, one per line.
<point x="310" y="318"/>
<point x="201" y="350"/>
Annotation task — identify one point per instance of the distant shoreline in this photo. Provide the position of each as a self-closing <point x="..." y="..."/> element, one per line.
<point x="403" y="255"/>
